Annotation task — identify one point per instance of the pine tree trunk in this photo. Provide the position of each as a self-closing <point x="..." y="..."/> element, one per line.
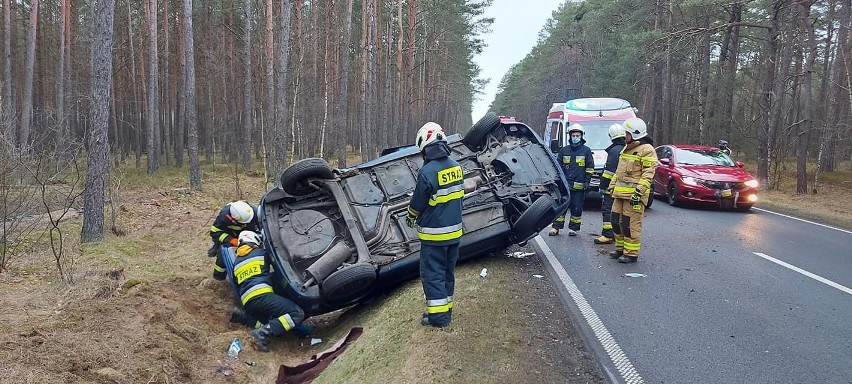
<point x="166" y="118"/>
<point x="191" y="105"/>
<point x="279" y="126"/>
<point x="97" y="161"/>
<point x="137" y="117"/>
<point x="10" y="114"/>
<point x="269" y="108"/>
<point x="248" y="92"/>
<point x="340" y="118"/>
<point x="61" y="119"/>
<point x="153" y="91"/>
<point x="29" y="68"/>
<point x="180" y="124"/>
<point x="809" y="41"/>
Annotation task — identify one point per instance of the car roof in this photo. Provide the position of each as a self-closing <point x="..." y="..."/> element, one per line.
<point x="694" y="147"/>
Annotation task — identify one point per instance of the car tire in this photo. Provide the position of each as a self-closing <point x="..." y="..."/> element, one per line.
<point x="348" y="282"/>
<point x="294" y="179"/>
<point x="475" y="137"/>
<point x="744" y="207"/>
<point x="650" y="201"/>
<point x="539" y="214"/>
<point x="672" y="194"/>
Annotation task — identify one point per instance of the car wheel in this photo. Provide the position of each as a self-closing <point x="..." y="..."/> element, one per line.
<point x="650" y="201"/>
<point x="294" y="180"/>
<point x="475" y="137"/>
<point x="672" y="194"/>
<point x="348" y="282"/>
<point x="539" y="214"/>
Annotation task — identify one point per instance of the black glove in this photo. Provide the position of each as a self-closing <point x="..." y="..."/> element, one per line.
<point x="636" y="199"/>
<point x="410" y="221"/>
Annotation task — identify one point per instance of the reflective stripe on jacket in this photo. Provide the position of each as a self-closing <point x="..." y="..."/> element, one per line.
<point x="612" y="154"/>
<point x="251" y="273"/>
<point x="225" y="227"/>
<point x="636" y="166"/>
<point x="577" y="164"/>
<point x="438" y="196"/>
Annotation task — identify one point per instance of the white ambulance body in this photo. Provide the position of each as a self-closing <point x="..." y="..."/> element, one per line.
<point x="595" y="115"/>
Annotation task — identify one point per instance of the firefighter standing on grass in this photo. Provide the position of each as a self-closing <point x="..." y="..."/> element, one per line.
<point x="436" y="210"/>
<point x="232" y="219"/>
<point x="578" y="166"/>
<point x="630" y="188"/>
<point x="616" y="135"/>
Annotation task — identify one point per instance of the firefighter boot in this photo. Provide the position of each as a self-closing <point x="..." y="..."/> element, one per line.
<point x="553" y="232"/>
<point x="616" y="254"/>
<point x="624" y="259"/>
<point x="604" y="240"/>
<point x="261" y="337"/>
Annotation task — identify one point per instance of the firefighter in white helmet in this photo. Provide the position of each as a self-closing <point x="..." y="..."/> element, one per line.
<point x="578" y="165"/>
<point x="232" y="219"/>
<point x="630" y="190"/>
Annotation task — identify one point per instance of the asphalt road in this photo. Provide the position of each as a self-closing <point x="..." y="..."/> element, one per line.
<point x="709" y="309"/>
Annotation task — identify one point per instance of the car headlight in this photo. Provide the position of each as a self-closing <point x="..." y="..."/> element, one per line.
<point x="690" y="180"/>
<point x="752" y="183"/>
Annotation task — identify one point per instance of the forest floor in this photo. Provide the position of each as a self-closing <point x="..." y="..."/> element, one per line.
<point x="143" y="309"/>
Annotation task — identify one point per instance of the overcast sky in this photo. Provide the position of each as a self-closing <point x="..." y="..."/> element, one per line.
<point x="513" y="34"/>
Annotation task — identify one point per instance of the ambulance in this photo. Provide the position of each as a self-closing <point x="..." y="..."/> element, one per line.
<point x="596" y="115"/>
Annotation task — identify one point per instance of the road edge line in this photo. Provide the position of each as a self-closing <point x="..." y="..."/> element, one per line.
<point x="802" y="220"/>
<point x="606" y="350"/>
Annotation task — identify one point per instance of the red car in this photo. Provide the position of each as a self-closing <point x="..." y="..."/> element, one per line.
<point x="702" y="174"/>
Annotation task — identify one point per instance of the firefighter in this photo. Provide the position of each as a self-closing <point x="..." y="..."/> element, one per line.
<point x="233" y="218"/>
<point x="251" y="274"/>
<point x="723" y="147"/>
<point x="616" y="135"/>
<point x="436" y="210"/>
<point x="578" y="166"/>
<point x="630" y="187"/>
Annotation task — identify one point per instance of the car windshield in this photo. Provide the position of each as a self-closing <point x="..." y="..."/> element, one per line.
<point x="596" y="134"/>
<point x="703" y="157"/>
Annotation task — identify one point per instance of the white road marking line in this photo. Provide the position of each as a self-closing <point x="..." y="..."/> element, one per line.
<point x="806" y="273"/>
<point x="619" y="359"/>
<point x="802" y="220"/>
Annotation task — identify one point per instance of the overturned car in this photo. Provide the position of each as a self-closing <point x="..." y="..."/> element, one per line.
<point x="338" y="236"/>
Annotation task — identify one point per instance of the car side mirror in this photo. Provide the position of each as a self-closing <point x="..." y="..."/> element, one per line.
<point x="740" y="164"/>
<point x="554" y="146"/>
<point x="665" y="161"/>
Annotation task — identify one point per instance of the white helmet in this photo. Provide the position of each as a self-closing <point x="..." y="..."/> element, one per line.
<point x="428" y="134"/>
<point x="249" y="237"/>
<point x="576" y="127"/>
<point x="636" y="127"/>
<point x="242" y="212"/>
<point x="615" y="131"/>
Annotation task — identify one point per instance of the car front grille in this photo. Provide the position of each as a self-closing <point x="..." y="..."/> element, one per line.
<point x="723" y="185"/>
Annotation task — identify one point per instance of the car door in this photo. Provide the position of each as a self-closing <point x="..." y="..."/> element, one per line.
<point x="661" y="175"/>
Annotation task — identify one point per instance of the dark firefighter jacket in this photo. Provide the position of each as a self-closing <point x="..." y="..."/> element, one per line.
<point x="251" y="273"/>
<point x="225" y="228"/>
<point x="612" y="153"/>
<point x="438" y="196"/>
<point x="578" y="164"/>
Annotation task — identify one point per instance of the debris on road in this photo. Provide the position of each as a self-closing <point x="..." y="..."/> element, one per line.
<point x="315" y="341"/>
<point x="484" y="272"/>
<point x="538" y="276"/>
<point x="634" y="274"/>
<point x="519" y="254"/>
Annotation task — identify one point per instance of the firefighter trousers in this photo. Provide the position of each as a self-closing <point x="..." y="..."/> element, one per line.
<point x="627" y="226"/>
<point x="575" y="207"/>
<point x="606" y="216"/>
<point x="280" y="313"/>
<point x="437" y="273"/>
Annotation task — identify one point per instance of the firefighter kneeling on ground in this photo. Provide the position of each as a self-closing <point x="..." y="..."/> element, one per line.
<point x="630" y="189"/>
<point x="251" y="274"/>
<point x="232" y="219"/>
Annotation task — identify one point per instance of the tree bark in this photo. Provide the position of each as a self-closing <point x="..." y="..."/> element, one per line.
<point x="340" y="118"/>
<point x="61" y="85"/>
<point x="180" y="124"/>
<point x="248" y="91"/>
<point x="269" y="108"/>
<point x="191" y="105"/>
<point x="280" y="124"/>
<point x="29" y="68"/>
<point x="765" y="130"/>
<point x="97" y="161"/>
<point x="10" y="115"/>
<point x="153" y="91"/>
<point x="809" y="41"/>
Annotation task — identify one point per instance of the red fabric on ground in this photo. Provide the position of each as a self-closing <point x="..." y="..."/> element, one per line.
<point x="304" y="373"/>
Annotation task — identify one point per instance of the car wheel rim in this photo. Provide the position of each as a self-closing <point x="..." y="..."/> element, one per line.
<point x="672" y="194"/>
